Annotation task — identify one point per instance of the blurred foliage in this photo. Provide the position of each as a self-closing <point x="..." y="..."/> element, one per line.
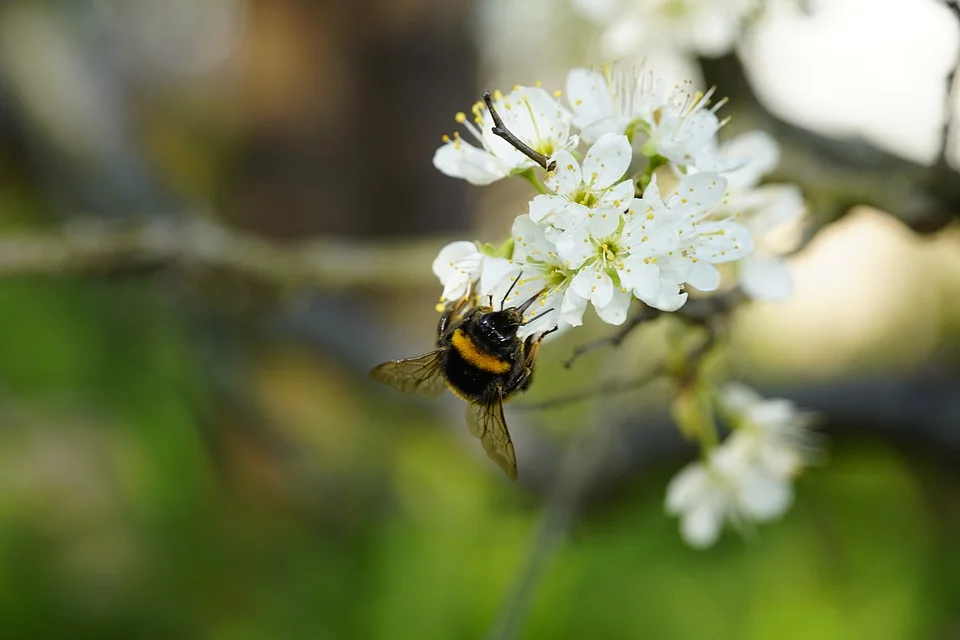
<point x="118" y="520"/>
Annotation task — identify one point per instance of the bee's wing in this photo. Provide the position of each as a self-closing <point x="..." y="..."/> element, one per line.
<point x="420" y="375"/>
<point x="486" y="422"/>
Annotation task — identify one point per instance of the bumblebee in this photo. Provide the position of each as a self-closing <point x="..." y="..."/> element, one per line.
<point x="481" y="360"/>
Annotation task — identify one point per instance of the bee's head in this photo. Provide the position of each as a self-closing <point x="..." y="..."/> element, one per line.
<point x="500" y="327"/>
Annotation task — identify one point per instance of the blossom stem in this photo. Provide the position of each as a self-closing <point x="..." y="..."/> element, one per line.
<point x="530" y="177"/>
<point x="500" y="129"/>
<point x="654" y="163"/>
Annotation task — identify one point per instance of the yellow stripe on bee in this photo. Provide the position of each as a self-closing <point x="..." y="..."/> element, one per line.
<point x="476" y="356"/>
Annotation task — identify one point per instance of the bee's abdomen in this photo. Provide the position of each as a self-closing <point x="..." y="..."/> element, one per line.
<point x="467" y="380"/>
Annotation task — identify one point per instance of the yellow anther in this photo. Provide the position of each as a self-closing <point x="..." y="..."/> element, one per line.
<point x="461" y="117"/>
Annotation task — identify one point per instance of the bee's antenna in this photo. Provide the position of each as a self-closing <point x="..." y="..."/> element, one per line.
<point x="512" y="285"/>
<point x="526" y="305"/>
<point x="539" y="315"/>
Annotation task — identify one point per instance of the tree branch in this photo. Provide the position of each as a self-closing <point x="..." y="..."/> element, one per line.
<point x="500" y="129"/>
<point x="334" y="263"/>
<point x="951" y="88"/>
<point x="837" y="174"/>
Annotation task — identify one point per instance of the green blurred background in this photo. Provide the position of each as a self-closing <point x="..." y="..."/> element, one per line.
<point x="187" y="453"/>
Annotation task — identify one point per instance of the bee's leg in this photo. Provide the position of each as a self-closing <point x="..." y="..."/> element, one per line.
<point x="531" y="349"/>
<point x="453" y="309"/>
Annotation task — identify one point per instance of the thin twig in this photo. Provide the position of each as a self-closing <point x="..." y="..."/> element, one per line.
<point x="334" y="263"/>
<point x="690" y="362"/>
<point x="699" y="311"/>
<point x="951" y="88"/>
<point x="500" y="129"/>
<point x="646" y="314"/>
<point x="606" y="389"/>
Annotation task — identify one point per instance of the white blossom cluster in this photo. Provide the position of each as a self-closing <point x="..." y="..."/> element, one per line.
<point x="648" y="211"/>
<point x="705" y="27"/>
<point x="747" y="478"/>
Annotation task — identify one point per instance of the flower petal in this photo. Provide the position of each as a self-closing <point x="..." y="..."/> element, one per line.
<point x="669" y="298"/>
<point x="779" y="204"/>
<point x="607" y="160"/>
<point x="764" y="497"/>
<point x="572" y="308"/>
<point x="687" y="488"/>
<point x="700" y="527"/>
<point x="566" y="178"/>
<point x="602" y="223"/>
<point x="459" y="159"/>
<point x="766" y="278"/>
<point x="738" y="397"/>
<point x="574" y="247"/>
<point x="619" y="196"/>
<point x="615" y="311"/>
<point x="589" y="97"/>
<point x="772" y="413"/>
<point x="496" y="275"/>
<point x="544" y="206"/>
<point x="704" y="276"/>
<point x="723" y="241"/>
<point x="764" y="154"/>
<point x="594" y="285"/>
<point x="571" y="215"/>
<point x="697" y="193"/>
<point x="444" y="264"/>
<point x="530" y="241"/>
<point x="642" y="278"/>
<point x="610" y="124"/>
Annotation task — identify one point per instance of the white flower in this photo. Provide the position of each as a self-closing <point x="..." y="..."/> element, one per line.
<point x="707" y="27"/>
<point x="460" y="265"/>
<point x="701" y="238"/>
<point x="685" y="132"/>
<point x="765" y="210"/>
<point x="535" y="256"/>
<point x="656" y="247"/>
<point x="727" y="487"/>
<point x="604" y="261"/>
<point x="577" y="190"/>
<point x="773" y="430"/>
<point x="530" y="113"/>
<point x="680" y="127"/>
<point x="748" y="477"/>
<point x="613" y="99"/>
